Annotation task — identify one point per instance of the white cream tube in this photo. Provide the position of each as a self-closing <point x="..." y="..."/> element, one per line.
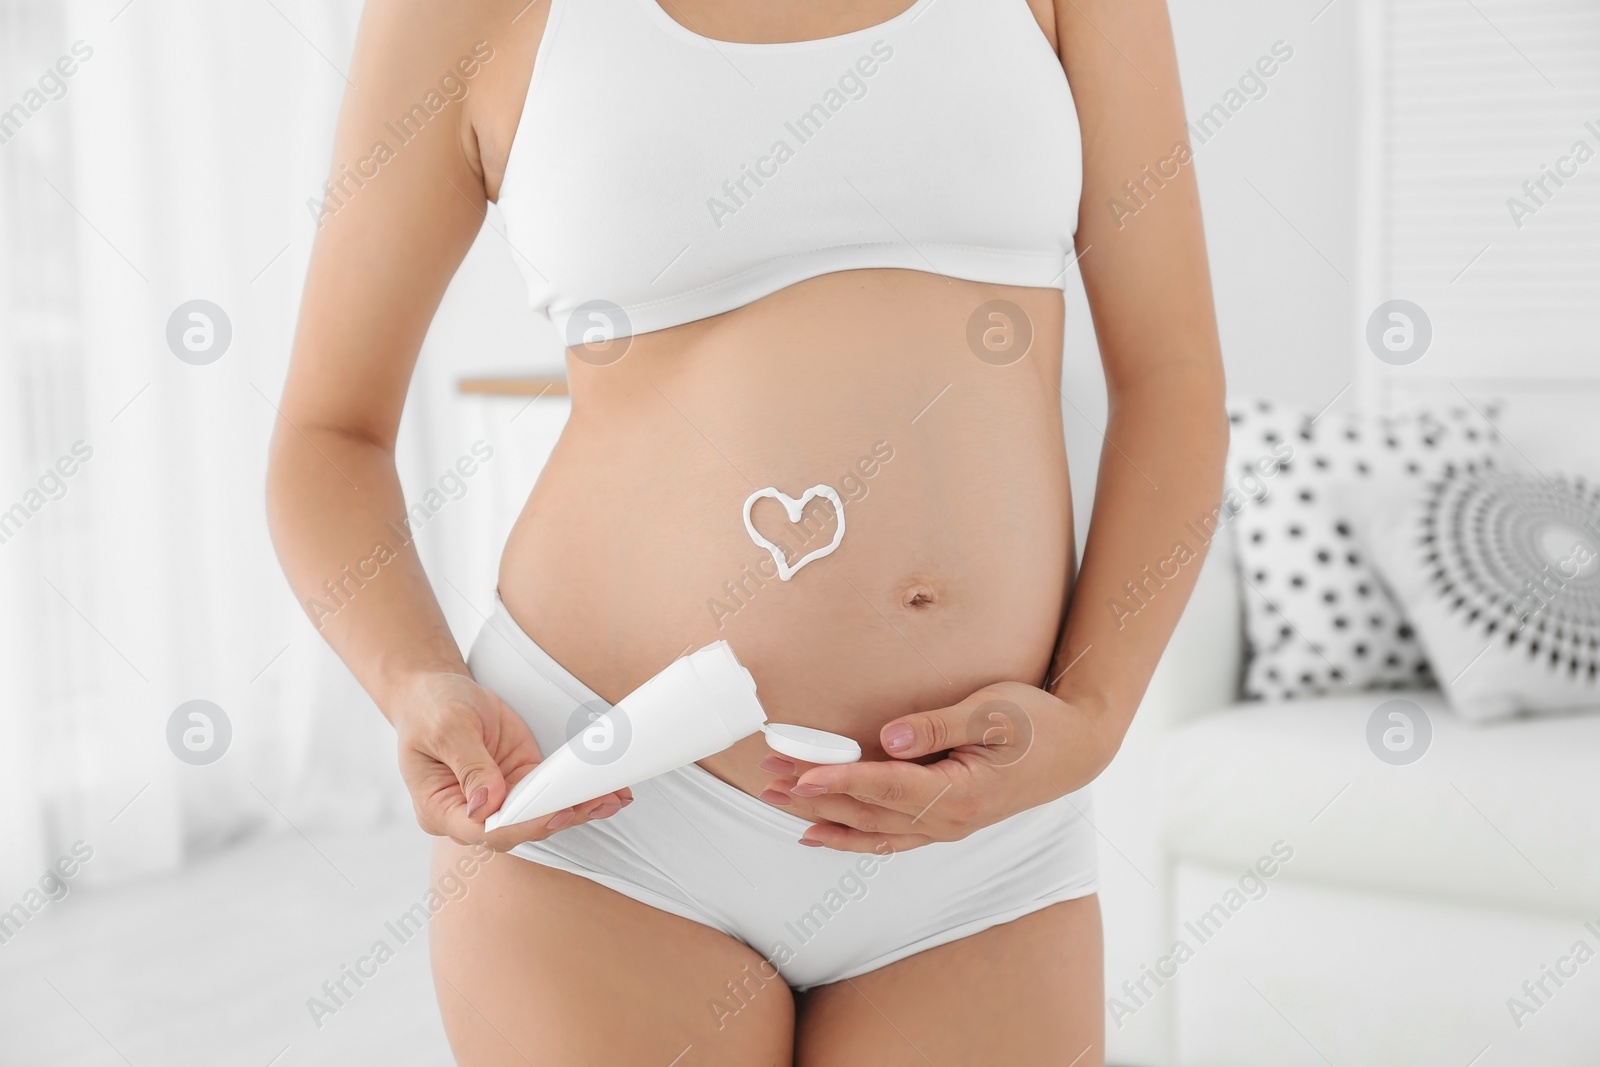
<point x="696" y="707"/>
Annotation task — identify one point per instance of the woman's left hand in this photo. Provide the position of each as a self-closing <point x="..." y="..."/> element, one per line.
<point x="1007" y="748"/>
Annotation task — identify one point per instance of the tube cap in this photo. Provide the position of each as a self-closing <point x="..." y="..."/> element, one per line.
<point x="812" y="746"/>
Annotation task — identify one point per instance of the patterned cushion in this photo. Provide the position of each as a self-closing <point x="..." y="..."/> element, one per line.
<point x="1499" y="570"/>
<point x="1318" y="618"/>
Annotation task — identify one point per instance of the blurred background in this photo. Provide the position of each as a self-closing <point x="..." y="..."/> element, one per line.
<point x="1357" y="820"/>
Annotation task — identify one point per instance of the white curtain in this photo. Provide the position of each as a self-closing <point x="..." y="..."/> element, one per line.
<point x="175" y="166"/>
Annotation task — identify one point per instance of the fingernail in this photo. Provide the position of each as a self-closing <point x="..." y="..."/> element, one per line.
<point x="808" y="789"/>
<point x="808" y="841"/>
<point x="474" y="802"/>
<point x="627" y="800"/>
<point x="898" y="738"/>
<point x="776" y="765"/>
<point x="772" y="796"/>
<point x="606" y="810"/>
<point x="558" y="820"/>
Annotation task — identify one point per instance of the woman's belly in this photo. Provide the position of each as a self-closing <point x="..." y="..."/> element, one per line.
<point x="957" y="554"/>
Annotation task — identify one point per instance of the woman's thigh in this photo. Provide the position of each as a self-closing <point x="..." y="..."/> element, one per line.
<point x="536" y="965"/>
<point x="1026" y="992"/>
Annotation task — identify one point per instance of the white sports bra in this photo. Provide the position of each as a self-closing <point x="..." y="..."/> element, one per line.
<point x="657" y="176"/>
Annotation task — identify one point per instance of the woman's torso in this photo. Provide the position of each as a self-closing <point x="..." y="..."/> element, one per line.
<point x="904" y="390"/>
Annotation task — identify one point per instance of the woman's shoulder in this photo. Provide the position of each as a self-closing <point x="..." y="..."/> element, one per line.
<point x="464" y="65"/>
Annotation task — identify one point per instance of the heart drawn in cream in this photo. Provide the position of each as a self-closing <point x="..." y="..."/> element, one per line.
<point x="794" y="508"/>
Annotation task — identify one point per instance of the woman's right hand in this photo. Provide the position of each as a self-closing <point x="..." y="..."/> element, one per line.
<point x="461" y="751"/>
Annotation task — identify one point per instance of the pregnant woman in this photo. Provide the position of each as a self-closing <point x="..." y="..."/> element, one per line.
<point x="786" y="245"/>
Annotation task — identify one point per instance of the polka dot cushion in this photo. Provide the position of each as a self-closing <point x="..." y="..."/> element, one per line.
<point x="1499" y="570"/>
<point x="1318" y="617"/>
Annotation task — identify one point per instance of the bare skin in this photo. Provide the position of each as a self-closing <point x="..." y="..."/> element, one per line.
<point x="957" y="581"/>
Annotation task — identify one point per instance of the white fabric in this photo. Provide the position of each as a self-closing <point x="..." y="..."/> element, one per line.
<point x="1499" y="571"/>
<point x="694" y="846"/>
<point x="1506" y="813"/>
<point x="943" y="140"/>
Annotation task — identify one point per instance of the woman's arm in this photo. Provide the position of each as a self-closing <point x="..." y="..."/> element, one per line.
<point x="399" y="219"/>
<point x="384" y="252"/>
<point x="1143" y="260"/>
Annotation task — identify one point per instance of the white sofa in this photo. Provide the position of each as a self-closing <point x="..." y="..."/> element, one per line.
<point x="1414" y="903"/>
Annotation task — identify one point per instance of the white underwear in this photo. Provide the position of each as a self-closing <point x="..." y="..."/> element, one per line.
<point x="693" y="845"/>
